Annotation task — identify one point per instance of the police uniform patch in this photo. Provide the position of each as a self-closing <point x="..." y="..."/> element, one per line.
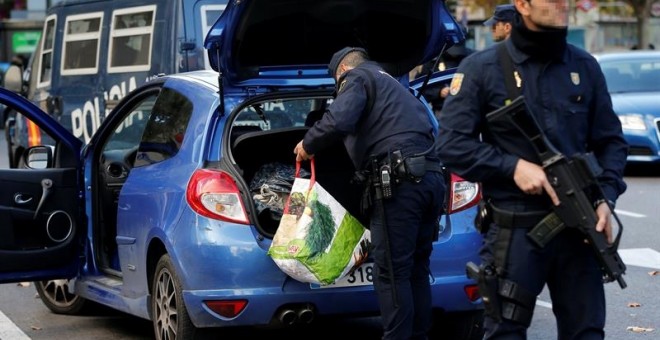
<point x="575" y="78"/>
<point x="456" y="83"/>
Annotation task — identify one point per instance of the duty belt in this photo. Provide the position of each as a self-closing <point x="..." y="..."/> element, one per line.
<point x="514" y="219"/>
<point x="543" y="225"/>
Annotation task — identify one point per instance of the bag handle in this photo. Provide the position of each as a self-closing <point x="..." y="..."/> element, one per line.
<point x="312" y="167"/>
<point x="312" y="181"/>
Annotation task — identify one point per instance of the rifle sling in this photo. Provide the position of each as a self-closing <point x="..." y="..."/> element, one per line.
<point x="506" y="62"/>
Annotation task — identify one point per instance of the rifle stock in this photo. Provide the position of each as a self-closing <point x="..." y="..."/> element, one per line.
<point x="571" y="178"/>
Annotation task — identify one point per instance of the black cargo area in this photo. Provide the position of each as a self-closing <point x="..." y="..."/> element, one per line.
<point x="334" y="170"/>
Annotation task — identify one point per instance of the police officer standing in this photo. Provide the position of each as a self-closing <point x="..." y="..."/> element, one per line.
<point x="384" y="126"/>
<point x="566" y="92"/>
<point x="501" y="22"/>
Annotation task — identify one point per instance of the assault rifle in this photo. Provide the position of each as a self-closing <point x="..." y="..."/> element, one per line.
<point x="572" y="178"/>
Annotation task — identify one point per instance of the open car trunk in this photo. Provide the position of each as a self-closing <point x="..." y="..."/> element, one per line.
<point x="263" y="137"/>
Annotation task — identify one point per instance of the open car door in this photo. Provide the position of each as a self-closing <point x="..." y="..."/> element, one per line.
<point x="41" y="224"/>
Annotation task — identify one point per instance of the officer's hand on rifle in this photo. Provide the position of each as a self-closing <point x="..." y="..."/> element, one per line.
<point x="531" y="179"/>
<point x="301" y="154"/>
<point x="604" y="221"/>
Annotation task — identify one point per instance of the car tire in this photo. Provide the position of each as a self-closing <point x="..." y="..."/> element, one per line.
<point x="55" y="295"/>
<point x="459" y="325"/>
<point x="169" y="313"/>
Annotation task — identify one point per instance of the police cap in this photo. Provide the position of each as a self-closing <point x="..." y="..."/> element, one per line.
<point x="339" y="56"/>
<point x="502" y="13"/>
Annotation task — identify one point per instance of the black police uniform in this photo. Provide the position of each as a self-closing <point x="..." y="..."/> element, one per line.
<point x="397" y="121"/>
<point x="570" y="101"/>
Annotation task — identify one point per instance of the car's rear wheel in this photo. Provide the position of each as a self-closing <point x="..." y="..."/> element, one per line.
<point x="170" y="316"/>
<point x="55" y="295"/>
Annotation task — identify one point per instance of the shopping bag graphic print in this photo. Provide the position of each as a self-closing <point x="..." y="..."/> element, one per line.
<point x="317" y="240"/>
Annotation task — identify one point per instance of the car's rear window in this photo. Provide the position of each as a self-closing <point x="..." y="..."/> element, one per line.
<point x="279" y="114"/>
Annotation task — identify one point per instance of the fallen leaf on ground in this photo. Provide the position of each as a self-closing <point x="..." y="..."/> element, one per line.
<point x="634" y="304"/>
<point x="637" y="329"/>
<point x="23" y="284"/>
<point x="35" y="328"/>
<point x="654" y="273"/>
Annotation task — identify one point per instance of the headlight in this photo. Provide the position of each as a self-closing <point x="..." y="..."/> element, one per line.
<point x="632" y="122"/>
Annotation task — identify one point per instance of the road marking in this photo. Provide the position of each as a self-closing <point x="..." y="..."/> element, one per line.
<point x="9" y="331"/>
<point x="542" y="303"/>
<point x="641" y="257"/>
<point x="628" y="213"/>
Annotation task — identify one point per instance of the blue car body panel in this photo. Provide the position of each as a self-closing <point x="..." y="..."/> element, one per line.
<point x="647" y="107"/>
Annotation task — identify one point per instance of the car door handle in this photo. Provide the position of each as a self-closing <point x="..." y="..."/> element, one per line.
<point x="22" y="198"/>
<point x="46" y="185"/>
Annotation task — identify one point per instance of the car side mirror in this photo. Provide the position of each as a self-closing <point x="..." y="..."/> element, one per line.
<point x="39" y="157"/>
<point x="13" y="79"/>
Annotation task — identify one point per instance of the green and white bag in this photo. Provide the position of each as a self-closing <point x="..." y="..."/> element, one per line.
<point x="317" y="240"/>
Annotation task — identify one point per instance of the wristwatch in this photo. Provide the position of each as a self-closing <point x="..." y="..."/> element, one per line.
<point x="603" y="200"/>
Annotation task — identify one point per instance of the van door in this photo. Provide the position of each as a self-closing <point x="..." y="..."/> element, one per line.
<point x="41" y="228"/>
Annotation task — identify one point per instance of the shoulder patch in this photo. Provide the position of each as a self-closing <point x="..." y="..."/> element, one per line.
<point x="341" y="85"/>
<point x="456" y="83"/>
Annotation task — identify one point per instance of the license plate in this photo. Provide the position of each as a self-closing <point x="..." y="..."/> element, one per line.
<point x="361" y="276"/>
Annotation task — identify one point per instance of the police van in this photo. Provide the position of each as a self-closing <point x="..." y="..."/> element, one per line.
<point x="93" y="52"/>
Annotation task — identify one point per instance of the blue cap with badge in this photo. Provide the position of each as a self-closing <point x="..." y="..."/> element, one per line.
<point x="504" y="13"/>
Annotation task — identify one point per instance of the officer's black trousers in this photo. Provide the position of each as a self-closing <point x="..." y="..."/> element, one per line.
<point x="411" y="217"/>
<point x="570" y="270"/>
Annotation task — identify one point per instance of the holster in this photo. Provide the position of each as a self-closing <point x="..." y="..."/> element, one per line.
<point x="502" y="298"/>
<point x="484" y="217"/>
<point x="412" y="168"/>
<point x="486" y="278"/>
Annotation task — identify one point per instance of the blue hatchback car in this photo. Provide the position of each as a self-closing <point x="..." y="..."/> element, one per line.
<point x="159" y="215"/>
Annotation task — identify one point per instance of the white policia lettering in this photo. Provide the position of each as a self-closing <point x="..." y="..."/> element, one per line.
<point x="86" y="120"/>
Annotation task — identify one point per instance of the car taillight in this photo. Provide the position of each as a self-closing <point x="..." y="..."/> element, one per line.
<point x="472" y="292"/>
<point x="214" y="194"/>
<point x="227" y="308"/>
<point x="462" y="194"/>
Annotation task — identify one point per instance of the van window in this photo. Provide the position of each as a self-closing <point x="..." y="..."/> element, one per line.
<point x="46" y="56"/>
<point x="210" y="14"/>
<point x="82" y="35"/>
<point x="131" y="38"/>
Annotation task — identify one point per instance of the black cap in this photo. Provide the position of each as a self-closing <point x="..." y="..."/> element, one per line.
<point x="339" y="56"/>
<point x="502" y="13"/>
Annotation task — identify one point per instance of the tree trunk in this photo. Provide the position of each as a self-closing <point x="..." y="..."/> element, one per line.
<point x="643" y="13"/>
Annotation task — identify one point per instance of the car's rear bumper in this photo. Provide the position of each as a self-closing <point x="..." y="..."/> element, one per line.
<point x="265" y="305"/>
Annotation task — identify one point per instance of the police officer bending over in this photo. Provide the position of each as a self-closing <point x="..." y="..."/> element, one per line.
<point x="565" y="90"/>
<point x="388" y="134"/>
